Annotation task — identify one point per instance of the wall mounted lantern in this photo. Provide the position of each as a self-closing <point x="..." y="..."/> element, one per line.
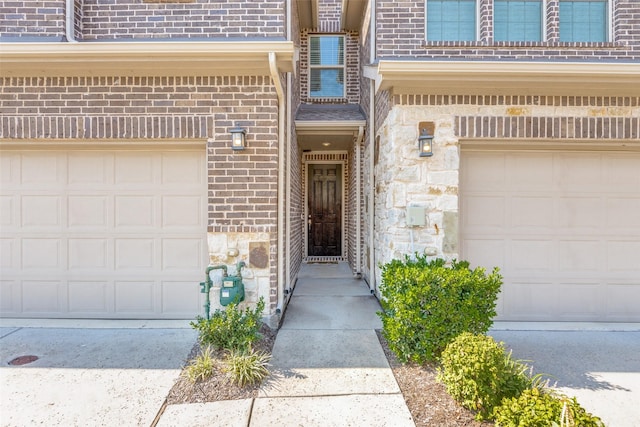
<point x="425" y="143"/>
<point x="238" y="138"/>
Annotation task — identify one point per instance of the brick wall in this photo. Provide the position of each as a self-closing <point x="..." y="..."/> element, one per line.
<point x="298" y="223"/>
<point x="401" y="33"/>
<point x="329" y="14"/>
<point x="28" y="19"/>
<point x="106" y="19"/>
<point x="242" y="185"/>
<point x="352" y="70"/>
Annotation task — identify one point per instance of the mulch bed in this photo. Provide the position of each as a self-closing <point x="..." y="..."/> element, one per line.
<point x="427" y="399"/>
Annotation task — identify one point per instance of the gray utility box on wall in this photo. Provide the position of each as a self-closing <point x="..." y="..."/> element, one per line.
<point x="416" y="216"/>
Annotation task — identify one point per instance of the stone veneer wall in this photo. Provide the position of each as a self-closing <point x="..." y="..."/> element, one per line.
<point x="404" y="179"/>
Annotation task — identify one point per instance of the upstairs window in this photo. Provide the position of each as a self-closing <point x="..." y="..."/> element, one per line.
<point x="517" y="20"/>
<point x="326" y="66"/>
<point x="451" y="20"/>
<point x="583" y="20"/>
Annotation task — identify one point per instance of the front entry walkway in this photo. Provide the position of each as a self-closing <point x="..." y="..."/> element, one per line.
<point x="329" y="368"/>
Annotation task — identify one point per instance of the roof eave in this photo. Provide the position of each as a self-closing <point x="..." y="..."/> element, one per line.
<point x="504" y="77"/>
<point x="148" y="58"/>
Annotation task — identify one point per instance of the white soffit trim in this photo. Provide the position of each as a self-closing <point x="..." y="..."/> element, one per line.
<point x="328" y="127"/>
<point x="536" y="78"/>
<point x="150" y="58"/>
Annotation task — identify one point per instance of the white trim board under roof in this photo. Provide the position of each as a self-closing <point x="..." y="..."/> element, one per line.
<point x="148" y="58"/>
<point x="505" y="77"/>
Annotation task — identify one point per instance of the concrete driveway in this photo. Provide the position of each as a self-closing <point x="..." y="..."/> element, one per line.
<point x="597" y="363"/>
<point x="107" y="373"/>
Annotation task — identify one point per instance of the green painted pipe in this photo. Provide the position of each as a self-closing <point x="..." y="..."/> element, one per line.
<point x="208" y="284"/>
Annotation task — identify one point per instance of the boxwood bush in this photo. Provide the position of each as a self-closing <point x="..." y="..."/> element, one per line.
<point x="540" y="408"/>
<point x="479" y="373"/>
<point x="426" y="304"/>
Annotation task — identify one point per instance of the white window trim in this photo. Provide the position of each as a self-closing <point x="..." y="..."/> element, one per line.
<point x="329" y="67"/>
<point x="426" y="12"/>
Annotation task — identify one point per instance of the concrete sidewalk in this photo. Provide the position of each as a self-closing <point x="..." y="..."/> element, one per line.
<point x="600" y="368"/>
<point x="104" y="373"/>
<point x="328" y="367"/>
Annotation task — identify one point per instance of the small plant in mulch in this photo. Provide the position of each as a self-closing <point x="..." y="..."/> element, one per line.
<point x="230" y="360"/>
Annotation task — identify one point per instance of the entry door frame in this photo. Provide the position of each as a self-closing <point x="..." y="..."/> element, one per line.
<point x="325" y="158"/>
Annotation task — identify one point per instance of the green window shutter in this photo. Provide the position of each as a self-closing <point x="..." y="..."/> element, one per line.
<point x="517" y="20"/>
<point x="583" y="21"/>
<point x="451" y="20"/>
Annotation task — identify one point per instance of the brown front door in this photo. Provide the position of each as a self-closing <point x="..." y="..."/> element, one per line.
<point x="325" y="201"/>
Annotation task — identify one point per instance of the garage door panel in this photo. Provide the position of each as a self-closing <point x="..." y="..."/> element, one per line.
<point x="89" y="254"/>
<point x="86" y="297"/>
<point x="623" y="212"/>
<point x="90" y="169"/>
<point x="135" y="253"/>
<point x="576" y="212"/>
<point x="88" y="212"/>
<point x="179" y="212"/>
<point x="485" y="252"/>
<point x="623" y="256"/>
<point x="8" y="254"/>
<point x="622" y="301"/>
<point x="577" y="172"/>
<point x="43" y="296"/>
<point x="7" y="211"/>
<point x="530" y="255"/>
<point x="9" y="297"/>
<point x="486" y="171"/>
<point x="622" y="174"/>
<point x="174" y="300"/>
<point x="40" y="211"/>
<point x="182" y="253"/>
<point x="42" y="170"/>
<point x="487" y="211"/>
<point x="135" y="169"/>
<point x="135" y="211"/>
<point x="135" y="297"/>
<point x="534" y="301"/>
<point x="182" y="168"/>
<point x="568" y="265"/>
<point x="579" y="256"/>
<point x="531" y="212"/>
<point x="580" y="301"/>
<point x="533" y="173"/>
<point x="42" y="254"/>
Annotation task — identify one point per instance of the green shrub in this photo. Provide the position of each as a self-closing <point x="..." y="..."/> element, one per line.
<point x="231" y="329"/>
<point x="538" y="408"/>
<point x="478" y="373"/>
<point x="247" y="367"/>
<point x="202" y="367"/>
<point x="427" y="304"/>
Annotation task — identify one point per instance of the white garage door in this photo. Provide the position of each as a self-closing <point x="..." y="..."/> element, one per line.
<point x="563" y="227"/>
<point x="102" y="234"/>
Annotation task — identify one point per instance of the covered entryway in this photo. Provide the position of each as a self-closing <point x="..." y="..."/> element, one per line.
<point x="96" y="233"/>
<point x="563" y="226"/>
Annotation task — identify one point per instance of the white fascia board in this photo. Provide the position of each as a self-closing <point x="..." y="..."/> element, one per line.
<point x="148" y="58"/>
<point x="566" y="78"/>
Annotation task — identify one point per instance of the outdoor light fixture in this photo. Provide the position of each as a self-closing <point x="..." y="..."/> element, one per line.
<point x="425" y="144"/>
<point x="238" y="138"/>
